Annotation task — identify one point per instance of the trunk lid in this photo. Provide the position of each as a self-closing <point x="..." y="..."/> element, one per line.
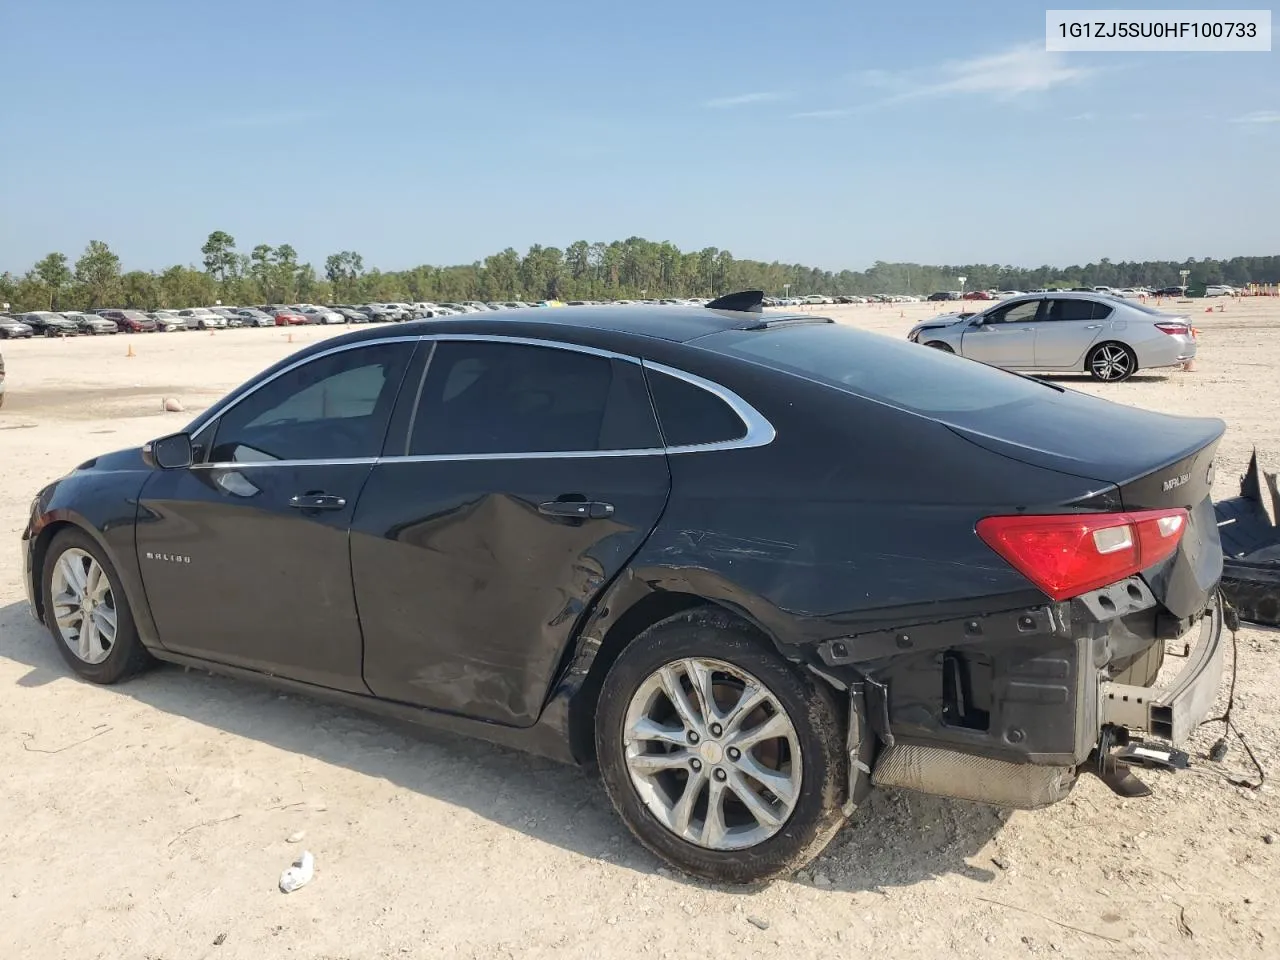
<point x="1136" y="459"/>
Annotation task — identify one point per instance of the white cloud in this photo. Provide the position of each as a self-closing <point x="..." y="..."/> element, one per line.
<point x="1026" y="68"/>
<point x="823" y="114"/>
<point x="1259" y="116"/>
<point x="742" y="100"/>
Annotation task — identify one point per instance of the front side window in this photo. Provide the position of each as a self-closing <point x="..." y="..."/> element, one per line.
<point x="335" y="407"/>
<point x="1015" y="313"/>
<point x="485" y="397"/>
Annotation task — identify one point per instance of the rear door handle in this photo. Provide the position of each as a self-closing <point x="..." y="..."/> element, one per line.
<point x="578" y="509"/>
<point x="317" y="501"/>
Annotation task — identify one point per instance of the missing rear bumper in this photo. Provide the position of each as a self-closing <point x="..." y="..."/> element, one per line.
<point x="1172" y="713"/>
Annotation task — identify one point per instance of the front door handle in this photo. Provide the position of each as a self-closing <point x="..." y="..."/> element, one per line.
<point x="1093" y="326"/>
<point x="317" y="501"/>
<point x="577" y="509"/>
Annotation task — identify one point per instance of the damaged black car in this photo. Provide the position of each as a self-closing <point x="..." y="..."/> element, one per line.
<point x="751" y="565"/>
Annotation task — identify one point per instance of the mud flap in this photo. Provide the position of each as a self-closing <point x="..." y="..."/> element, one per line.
<point x="1247" y="525"/>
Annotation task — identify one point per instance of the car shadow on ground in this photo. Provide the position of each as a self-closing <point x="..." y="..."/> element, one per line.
<point x="1068" y="379"/>
<point x="896" y="838"/>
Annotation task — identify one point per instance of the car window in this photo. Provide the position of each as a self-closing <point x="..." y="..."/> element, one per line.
<point x="877" y="367"/>
<point x="1014" y="313"/>
<point x="489" y="397"/>
<point x="690" y="415"/>
<point x="333" y="407"/>
<point x="1064" y="309"/>
<point x="1103" y="310"/>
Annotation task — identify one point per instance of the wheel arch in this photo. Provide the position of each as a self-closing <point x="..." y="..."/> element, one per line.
<point x="54" y="524"/>
<point x="633" y="606"/>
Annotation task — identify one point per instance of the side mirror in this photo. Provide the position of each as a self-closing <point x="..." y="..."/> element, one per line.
<point x="169" y="453"/>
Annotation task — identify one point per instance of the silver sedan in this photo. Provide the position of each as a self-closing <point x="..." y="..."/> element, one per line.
<point x="1107" y="337"/>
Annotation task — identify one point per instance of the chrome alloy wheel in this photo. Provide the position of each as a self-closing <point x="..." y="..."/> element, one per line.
<point x="84" y="607"/>
<point x="1111" y="362"/>
<point x="712" y="754"/>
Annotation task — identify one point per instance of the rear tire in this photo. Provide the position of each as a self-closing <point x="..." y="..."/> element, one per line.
<point x="1111" y="362"/>
<point x="80" y="586"/>
<point x="793" y="780"/>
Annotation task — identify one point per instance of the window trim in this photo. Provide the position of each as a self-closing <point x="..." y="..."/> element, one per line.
<point x="759" y="431"/>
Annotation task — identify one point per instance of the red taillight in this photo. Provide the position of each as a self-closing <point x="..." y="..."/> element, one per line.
<point x="1066" y="555"/>
<point x="1174" y="329"/>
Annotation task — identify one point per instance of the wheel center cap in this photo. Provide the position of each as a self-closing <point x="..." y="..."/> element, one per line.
<point x="711" y="752"/>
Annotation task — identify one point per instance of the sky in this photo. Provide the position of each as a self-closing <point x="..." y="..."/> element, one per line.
<point x="826" y="133"/>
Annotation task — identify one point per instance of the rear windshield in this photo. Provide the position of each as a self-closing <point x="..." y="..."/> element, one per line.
<point x="1143" y="308"/>
<point x="877" y="367"/>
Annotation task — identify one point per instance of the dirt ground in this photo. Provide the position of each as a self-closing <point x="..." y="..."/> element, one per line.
<point x="151" y="820"/>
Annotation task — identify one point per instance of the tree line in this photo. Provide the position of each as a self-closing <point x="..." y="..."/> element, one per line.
<point x="631" y="269"/>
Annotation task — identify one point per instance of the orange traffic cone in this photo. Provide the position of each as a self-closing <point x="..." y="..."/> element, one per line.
<point x="130" y="352"/>
<point x="288" y="338"/>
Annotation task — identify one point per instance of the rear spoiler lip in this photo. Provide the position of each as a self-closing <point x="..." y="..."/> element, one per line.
<point x="1012" y="449"/>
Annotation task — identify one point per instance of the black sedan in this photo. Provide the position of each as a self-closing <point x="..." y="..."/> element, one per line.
<point x="749" y="564"/>
<point x="46" y="323"/>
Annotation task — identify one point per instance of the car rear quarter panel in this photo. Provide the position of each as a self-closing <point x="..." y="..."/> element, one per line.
<point x="856" y="514"/>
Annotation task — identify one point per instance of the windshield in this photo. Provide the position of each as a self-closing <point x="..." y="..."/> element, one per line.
<point x="877" y="367"/>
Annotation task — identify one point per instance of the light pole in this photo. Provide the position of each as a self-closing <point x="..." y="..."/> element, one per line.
<point x="1184" y="274"/>
<point x="786" y="291"/>
<point x="962" y="280"/>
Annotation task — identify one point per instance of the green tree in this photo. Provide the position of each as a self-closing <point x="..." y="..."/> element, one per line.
<point x="56" y="274"/>
<point x="343" y="271"/>
<point x="140" y="290"/>
<point x="220" y="258"/>
<point x="98" y="271"/>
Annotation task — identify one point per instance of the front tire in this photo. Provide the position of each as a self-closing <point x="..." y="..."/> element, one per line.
<point x="722" y="758"/>
<point x="86" y="611"/>
<point x="1111" y="362"/>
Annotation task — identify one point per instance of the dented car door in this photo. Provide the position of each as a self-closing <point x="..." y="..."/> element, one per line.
<point x="519" y="484"/>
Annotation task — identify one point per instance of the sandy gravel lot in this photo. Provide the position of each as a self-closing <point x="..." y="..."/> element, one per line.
<point x="151" y="819"/>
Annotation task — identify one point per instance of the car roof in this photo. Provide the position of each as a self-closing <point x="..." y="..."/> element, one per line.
<point x="677" y="324"/>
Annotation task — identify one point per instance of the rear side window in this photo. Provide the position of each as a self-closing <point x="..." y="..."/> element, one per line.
<point x="877" y="367"/>
<point x="1103" y="310"/>
<point x="487" y="397"/>
<point x="1065" y="309"/>
<point x="690" y="415"/>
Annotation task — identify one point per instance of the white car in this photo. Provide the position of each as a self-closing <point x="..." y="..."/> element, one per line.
<point x="1219" y="290"/>
<point x="202" y="318"/>
<point x="316" y="314"/>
